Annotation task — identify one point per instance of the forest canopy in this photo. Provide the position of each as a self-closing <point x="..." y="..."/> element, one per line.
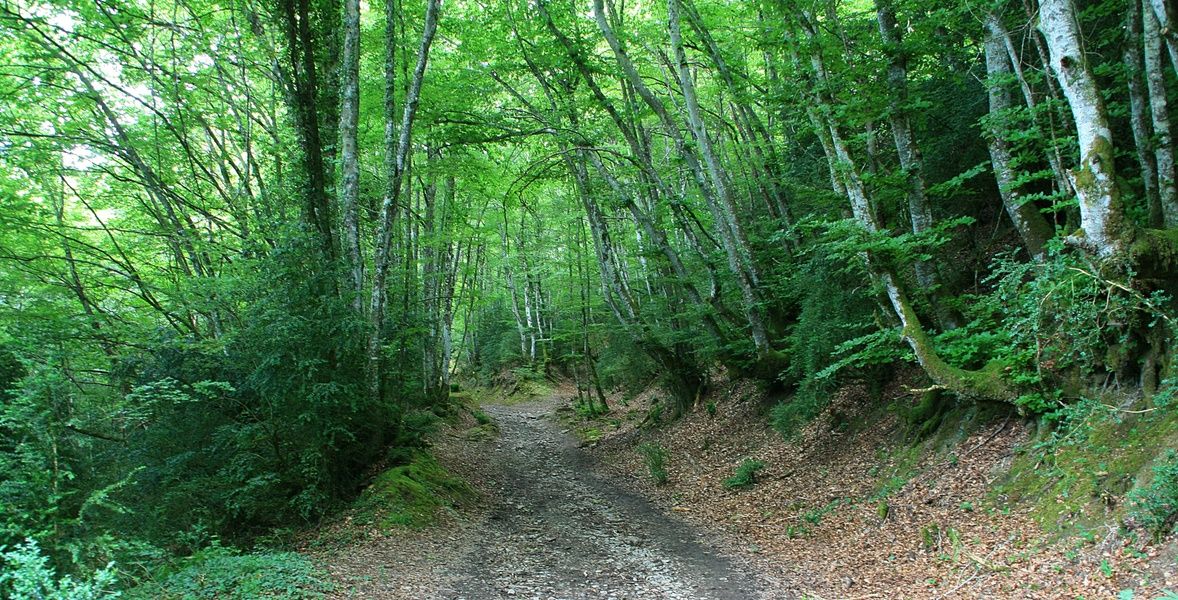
<point x="247" y="249"/>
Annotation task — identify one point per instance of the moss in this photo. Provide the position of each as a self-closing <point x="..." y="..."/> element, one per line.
<point x="1071" y="480"/>
<point x="925" y="416"/>
<point x="1154" y="253"/>
<point x="411" y="495"/>
<point x="986" y="383"/>
<point x="482" y="433"/>
<point x="930" y="536"/>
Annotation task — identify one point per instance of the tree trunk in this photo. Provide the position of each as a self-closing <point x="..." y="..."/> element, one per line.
<point x="1163" y="11"/>
<point x="985" y="383"/>
<point x="1138" y="111"/>
<point x="394" y="183"/>
<point x="349" y="183"/>
<point x="304" y="79"/>
<point x="1105" y="229"/>
<point x="995" y="27"/>
<point x="731" y="234"/>
<point x="1159" y="111"/>
<point x="1028" y="221"/>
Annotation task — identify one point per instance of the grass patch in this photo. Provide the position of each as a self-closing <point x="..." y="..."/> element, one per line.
<point x="655" y="457"/>
<point x="745" y="475"/>
<point x="411" y="495"/>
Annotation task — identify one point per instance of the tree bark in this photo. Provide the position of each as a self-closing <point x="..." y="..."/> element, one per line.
<point x="1159" y="111"/>
<point x="349" y="183"/>
<point x="1054" y="158"/>
<point x="731" y="234"/>
<point x="1138" y="111"/>
<point x="1102" y="221"/>
<point x="1029" y="222"/>
<point x="390" y="204"/>
<point x="984" y="383"/>
<point x="1164" y="10"/>
<point x="304" y="80"/>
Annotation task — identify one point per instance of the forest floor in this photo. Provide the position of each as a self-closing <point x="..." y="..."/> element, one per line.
<point x="851" y="507"/>
<point x="548" y="526"/>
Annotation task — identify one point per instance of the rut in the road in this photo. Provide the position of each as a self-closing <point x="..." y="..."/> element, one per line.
<point x="559" y="531"/>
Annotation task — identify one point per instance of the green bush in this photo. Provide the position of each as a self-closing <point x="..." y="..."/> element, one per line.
<point x="1155" y="506"/>
<point x="745" y="475"/>
<point x="25" y="574"/>
<point x="655" y="457"/>
<point x="218" y="573"/>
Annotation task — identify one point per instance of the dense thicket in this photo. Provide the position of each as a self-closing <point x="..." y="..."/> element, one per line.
<point x="244" y="247"/>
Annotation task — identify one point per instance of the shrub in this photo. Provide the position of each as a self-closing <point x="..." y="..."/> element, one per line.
<point x="1155" y="506"/>
<point x="745" y="475"/>
<point x="655" y="457"/>
<point x="27" y="575"/>
<point x="223" y="574"/>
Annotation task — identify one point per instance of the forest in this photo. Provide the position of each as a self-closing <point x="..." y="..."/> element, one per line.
<point x="254" y="253"/>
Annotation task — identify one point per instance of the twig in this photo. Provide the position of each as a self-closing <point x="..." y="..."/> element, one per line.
<point x="931" y="388"/>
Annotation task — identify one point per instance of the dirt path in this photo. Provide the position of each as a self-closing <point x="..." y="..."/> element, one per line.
<point x="553" y="530"/>
<point x="560" y="531"/>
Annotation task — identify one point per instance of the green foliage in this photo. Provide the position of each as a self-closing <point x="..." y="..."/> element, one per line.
<point x="481" y="417"/>
<point x="586" y="408"/>
<point x="26" y="574"/>
<point x="654" y="416"/>
<point x="655" y="457"/>
<point x="745" y="474"/>
<point x="1051" y="323"/>
<point x="226" y="574"/>
<point x="1155" y="506"/>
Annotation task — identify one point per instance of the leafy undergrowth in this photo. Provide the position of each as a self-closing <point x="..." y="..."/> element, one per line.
<point x="218" y="573"/>
<point x="915" y="498"/>
<point x="414" y="490"/>
<point x="414" y="514"/>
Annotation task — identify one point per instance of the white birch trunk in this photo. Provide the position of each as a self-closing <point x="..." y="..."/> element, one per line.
<point x="390" y="205"/>
<point x="349" y="184"/>
<point x="1102" y="219"/>
<point x="1030" y="224"/>
<point x="1164" y="10"/>
<point x="1138" y="110"/>
<point x="1159" y="111"/>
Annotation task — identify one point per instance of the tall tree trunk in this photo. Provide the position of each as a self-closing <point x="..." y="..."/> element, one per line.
<point x="1054" y="158"/>
<point x="1159" y="111"/>
<point x="987" y="383"/>
<point x="908" y="151"/>
<point x="1164" y="11"/>
<point x="1106" y="232"/>
<point x="1138" y="111"/>
<point x="731" y="234"/>
<point x="304" y="80"/>
<point x="394" y="184"/>
<point x="1028" y="221"/>
<point x="349" y="182"/>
